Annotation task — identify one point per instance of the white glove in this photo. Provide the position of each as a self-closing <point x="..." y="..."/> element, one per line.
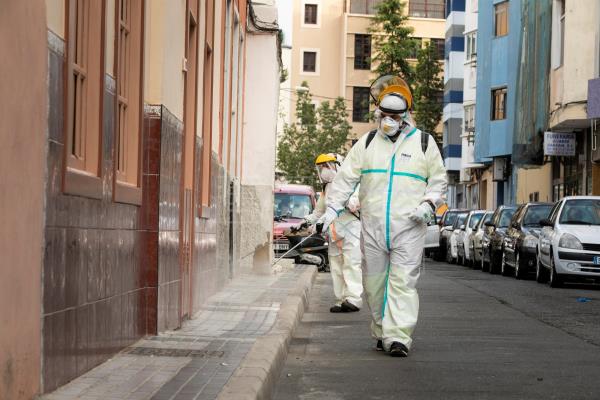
<point x="422" y="214"/>
<point x="327" y="218"/>
<point x="353" y="204"/>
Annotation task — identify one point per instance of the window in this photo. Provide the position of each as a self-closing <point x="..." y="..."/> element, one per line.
<point x="362" y="51"/>
<point x="309" y="61"/>
<point x="471" y="43"/>
<point x="310" y="14"/>
<point x="440" y="44"/>
<point x="364" y="6"/>
<point x="499" y="104"/>
<point x="84" y="94"/>
<point x="501" y="19"/>
<point x="129" y="99"/>
<point x="360" y="104"/>
<point x="427" y="9"/>
<point x="414" y="50"/>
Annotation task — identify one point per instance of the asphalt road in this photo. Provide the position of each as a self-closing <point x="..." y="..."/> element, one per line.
<point x="479" y="336"/>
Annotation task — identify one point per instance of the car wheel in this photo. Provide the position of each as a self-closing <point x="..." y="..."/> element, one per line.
<point x="519" y="272"/>
<point x="540" y="271"/>
<point x="449" y="259"/>
<point x="493" y="265"/>
<point x="555" y="280"/>
<point x="483" y="264"/>
<point x="503" y="265"/>
<point x="323" y="266"/>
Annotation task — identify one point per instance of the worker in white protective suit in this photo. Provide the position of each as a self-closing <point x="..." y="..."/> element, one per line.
<point x="402" y="181"/>
<point x="344" y="240"/>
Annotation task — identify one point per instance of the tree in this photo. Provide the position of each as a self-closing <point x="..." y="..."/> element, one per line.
<point x="428" y="85"/>
<point x="321" y="130"/>
<point x="392" y="40"/>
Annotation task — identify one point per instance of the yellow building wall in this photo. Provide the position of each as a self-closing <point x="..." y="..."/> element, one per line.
<point x="534" y="180"/>
<point x="326" y="39"/>
<point x="568" y="83"/>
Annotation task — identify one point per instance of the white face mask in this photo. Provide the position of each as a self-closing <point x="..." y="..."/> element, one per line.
<point x="389" y="126"/>
<point x="327" y="175"/>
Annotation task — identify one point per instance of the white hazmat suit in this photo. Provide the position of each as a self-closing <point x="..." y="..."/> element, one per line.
<point x="396" y="179"/>
<point x="344" y="250"/>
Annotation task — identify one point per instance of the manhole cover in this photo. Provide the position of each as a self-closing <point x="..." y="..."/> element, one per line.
<point x="151" y="351"/>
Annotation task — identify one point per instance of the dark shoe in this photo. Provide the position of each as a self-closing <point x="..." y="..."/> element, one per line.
<point x="336" y="309"/>
<point x="379" y="346"/>
<point x="397" y="349"/>
<point x="349" y="307"/>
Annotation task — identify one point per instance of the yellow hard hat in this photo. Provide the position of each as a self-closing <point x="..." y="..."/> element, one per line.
<point x="325" y="158"/>
<point x="387" y="84"/>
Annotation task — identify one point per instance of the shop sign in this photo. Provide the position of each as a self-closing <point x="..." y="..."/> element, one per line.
<point x="559" y="144"/>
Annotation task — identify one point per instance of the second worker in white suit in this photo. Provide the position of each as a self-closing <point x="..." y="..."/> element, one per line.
<point x="402" y="181"/>
<point x="344" y="240"/>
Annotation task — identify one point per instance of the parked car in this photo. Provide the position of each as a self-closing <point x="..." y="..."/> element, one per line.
<point x="521" y="241"/>
<point x="446" y="223"/>
<point x="476" y="236"/>
<point x="432" y="237"/>
<point x="492" y="241"/>
<point x="464" y="240"/>
<point x="452" y="249"/>
<point x="569" y="242"/>
<point x="291" y="204"/>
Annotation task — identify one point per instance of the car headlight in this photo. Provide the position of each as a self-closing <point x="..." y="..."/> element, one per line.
<point x="570" y="242"/>
<point x="530" y="242"/>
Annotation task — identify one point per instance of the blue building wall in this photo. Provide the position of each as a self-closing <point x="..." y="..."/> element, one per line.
<point x="497" y="66"/>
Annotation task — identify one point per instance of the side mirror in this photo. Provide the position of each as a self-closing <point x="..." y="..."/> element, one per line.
<point x="490" y="224"/>
<point x="546" y="222"/>
<point x="462" y="227"/>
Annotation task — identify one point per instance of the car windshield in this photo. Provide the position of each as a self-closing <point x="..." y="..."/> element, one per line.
<point x="535" y="214"/>
<point x="581" y="212"/>
<point x="505" y="216"/>
<point x="450" y="218"/>
<point x="292" y="205"/>
<point x="487" y="218"/>
<point x="474" y="220"/>
<point x="460" y="220"/>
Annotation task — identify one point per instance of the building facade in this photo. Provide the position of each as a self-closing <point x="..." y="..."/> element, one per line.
<point x="147" y="151"/>
<point x="498" y="44"/>
<point x="469" y="169"/>
<point x="454" y="64"/>
<point x="332" y="50"/>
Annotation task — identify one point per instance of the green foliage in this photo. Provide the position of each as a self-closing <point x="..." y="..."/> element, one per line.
<point x="324" y="130"/>
<point x="428" y="84"/>
<point x="392" y="41"/>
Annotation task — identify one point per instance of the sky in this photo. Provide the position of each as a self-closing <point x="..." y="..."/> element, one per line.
<point x="284" y="15"/>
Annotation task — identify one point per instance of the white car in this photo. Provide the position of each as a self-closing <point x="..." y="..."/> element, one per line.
<point x="476" y="236"/>
<point x="452" y="252"/>
<point x="464" y="239"/>
<point x="569" y="242"/>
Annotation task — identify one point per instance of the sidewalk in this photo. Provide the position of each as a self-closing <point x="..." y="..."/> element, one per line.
<point x="231" y="349"/>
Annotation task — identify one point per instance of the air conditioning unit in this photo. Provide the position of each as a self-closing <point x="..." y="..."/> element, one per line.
<point x="465" y="175"/>
<point x="499" y="169"/>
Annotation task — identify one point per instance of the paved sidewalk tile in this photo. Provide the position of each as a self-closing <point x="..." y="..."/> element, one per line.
<point x="196" y="361"/>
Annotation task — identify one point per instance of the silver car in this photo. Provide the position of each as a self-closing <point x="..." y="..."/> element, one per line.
<point x="569" y="242"/>
<point x="475" y="238"/>
<point x="464" y="239"/>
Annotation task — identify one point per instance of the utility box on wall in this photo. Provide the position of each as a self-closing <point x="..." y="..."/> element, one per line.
<point x="499" y="169"/>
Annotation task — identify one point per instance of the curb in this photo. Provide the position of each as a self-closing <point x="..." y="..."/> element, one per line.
<point x="258" y="372"/>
